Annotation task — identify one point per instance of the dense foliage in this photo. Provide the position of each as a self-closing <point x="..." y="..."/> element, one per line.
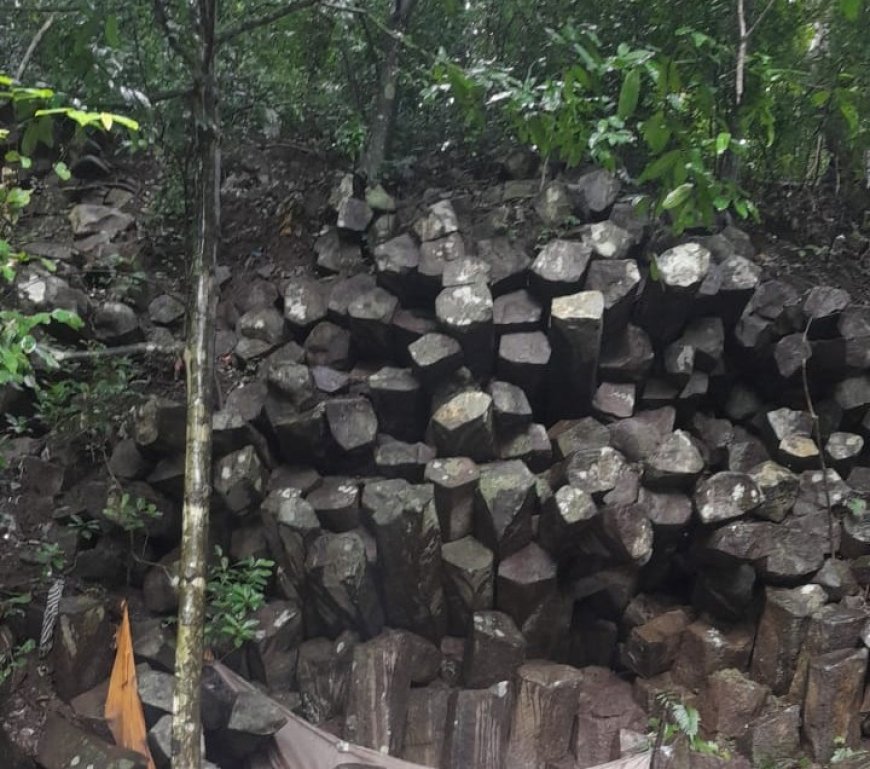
<point x="664" y="88"/>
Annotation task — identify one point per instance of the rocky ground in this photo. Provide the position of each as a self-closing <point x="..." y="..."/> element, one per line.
<point x="515" y="487"/>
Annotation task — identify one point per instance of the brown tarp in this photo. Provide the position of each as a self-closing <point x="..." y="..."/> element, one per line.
<point x="300" y="745"/>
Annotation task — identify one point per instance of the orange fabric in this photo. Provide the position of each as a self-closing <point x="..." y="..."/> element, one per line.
<point x="123" y="707"/>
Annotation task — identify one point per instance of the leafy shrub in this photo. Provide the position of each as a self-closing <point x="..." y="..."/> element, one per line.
<point x="234" y="592"/>
<point x="635" y="104"/>
<point x="130" y="513"/>
<point x="90" y="408"/>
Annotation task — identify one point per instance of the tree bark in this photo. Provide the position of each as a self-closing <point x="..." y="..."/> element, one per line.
<point x="199" y="359"/>
<point x="385" y="108"/>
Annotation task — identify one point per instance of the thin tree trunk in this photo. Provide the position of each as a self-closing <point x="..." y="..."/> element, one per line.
<point x="385" y="108"/>
<point x="199" y="358"/>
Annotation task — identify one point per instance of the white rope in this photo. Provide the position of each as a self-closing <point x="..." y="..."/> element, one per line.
<point x="49" y="619"/>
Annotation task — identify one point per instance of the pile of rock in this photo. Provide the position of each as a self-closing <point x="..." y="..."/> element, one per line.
<point x="491" y="477"/>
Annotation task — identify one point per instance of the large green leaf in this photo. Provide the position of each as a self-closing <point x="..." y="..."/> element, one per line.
<point x="656" y="132"/>
<point x="628" y="95"/>
<point x="660" y="166"/>
<point x="113" y="35"/>
<point x="678" y="196"/>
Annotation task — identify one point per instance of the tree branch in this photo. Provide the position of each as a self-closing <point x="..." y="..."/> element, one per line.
<point x="760" y="18"/>
<point x="32" y="47"/>
<point x="145" y="348"/>
<point x="741" y="52"/>
<point x="261" y="21"/>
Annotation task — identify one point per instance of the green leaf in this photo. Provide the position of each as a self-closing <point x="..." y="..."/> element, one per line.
<point x="723" y="141"/>
<point x="850" y="9"/>
<point x="28" y="344"/>
<point x="62" y="171"/>
<point x="678" y="196"/>
<point x="113" y="36"/>
<point x="656" y="133"/>
<point x="660" y="166"/>
<point x="70" y="319"/>
<point x="18" y="198"/>
<point x="850" y="113"/>
<point x="628" y="95"/>
<point x="857" y="507"/>
<point x="820" y="98"/>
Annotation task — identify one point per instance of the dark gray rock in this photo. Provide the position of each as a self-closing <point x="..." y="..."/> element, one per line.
<point x="667" y="302"/>
<point x="343" y="292"/>
<point x="434" y="356"/>
<point x="370" y="316"/>
<point x="510" y="405"/>
<point x="336" y="503"/>
<point x="400" y="403"/>
<point x="608" y="240"/>
<point x="335" y="255"/>
<point x="454" y="482"/>
<point x="554" y="204"/>
<point x="352" y="424"/>
<point x="239" y="480"/>
<point x="508" y="263"/>
<point x="781" y="633"/>
<point x="594" y="193"/>
<point x="397" y="459"/>
<point x="725" y="496"/>
<point x="575" y="337"/>
<point x="465" y="271"/>
<point x="564" y="518"/>
<point x="559" y="268"/>
<point x="639" y="436"/>
<point x="264" y="324"/>
<point x="440" y="220"/>
<point x="463" y="426"/>
<point x="523" y="359"/>
<point x="116" y="323"/>
<point x="516" y="312"/>
<point x="523" y="581"/>
<point x="618" y="280"/>
<point x="396" y="262"/>
<point x="505" y="500"/>
<point x="342" y="586"/>
<point x="466" y="313"/>
<point x="434" y="257"/>
<point x="159" y="427"/>
<point x="165" y="310"/>
<point x="469" y="581"/>
<point x="675" y="463"/>
<point x="379" y="674"/>
<point x="354" y="215"/>
<point x="571" y="436"/>
<point x="62" y="745"/>
<point x="614" y="400"/>
<point x="405" y="525"/>
<point x="494" y="650"/>
<point x="82" y="653"/>
<point x="531" y="444"/>
<point x="305" y="304"/>
<point x="323" y="674"/>
<point x="479" y="724"/>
